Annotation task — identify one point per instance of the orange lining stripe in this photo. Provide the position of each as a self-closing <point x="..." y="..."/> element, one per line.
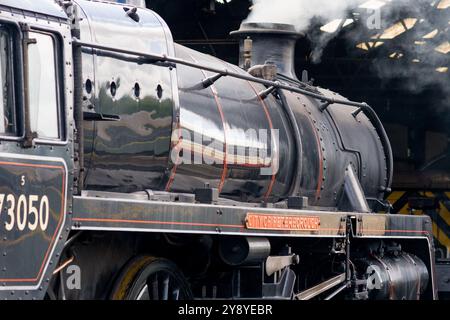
<point x="175" y="166"/>
<point x="18" y="164"/>
<point x="223" y="225"/>
<point x="157" y="222"/>
<point x="222" y="116"/>
<point x="319" y="148"/>
<point x="269" y="119"/>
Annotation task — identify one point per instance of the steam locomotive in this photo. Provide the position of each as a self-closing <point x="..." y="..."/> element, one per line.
<point x="153" y="171"/>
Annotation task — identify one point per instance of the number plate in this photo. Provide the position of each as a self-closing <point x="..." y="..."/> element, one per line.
<point x="32" y="213"/>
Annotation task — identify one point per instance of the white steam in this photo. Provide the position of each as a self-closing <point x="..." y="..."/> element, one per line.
<point x="298" y="12"/>
<point x="301" y="13"/>
<point x="306" y="15"/>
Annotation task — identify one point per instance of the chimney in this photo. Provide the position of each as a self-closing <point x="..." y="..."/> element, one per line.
<point x="272" y="42"/>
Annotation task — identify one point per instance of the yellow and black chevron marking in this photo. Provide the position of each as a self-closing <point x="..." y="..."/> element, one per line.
<point x="440" y="214"/>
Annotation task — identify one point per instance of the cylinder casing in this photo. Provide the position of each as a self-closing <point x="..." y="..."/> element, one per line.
<point x="244" y="250"/>
<point x="403" y="277"/>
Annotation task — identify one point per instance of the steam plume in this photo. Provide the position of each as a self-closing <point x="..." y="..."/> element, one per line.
<point x="416" y="65"/>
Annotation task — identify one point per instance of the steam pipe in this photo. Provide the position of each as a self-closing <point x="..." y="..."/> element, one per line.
<point x="354" y="192"/>
<point x="373" y="117"/>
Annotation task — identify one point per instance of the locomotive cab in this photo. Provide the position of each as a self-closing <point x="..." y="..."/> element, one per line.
<point x="36" y="138"/>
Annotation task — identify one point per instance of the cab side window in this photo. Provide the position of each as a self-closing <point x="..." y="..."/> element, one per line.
<point x="42" y="84"/>
<point x="8" y="125"/>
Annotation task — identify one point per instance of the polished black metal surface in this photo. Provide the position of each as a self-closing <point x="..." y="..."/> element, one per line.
<point x="225" y="112"/>
<point x="400" y="277"/>
<point x="130" y="154"/>
<point x="176" y="132"/>
<point x="331" y="141"/>
<point x="139" y="111"/>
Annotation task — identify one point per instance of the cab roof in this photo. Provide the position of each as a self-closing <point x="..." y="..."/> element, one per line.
<point x="44" y="7"/>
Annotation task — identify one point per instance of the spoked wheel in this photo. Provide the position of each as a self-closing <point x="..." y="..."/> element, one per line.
<point x="150" y="278"/>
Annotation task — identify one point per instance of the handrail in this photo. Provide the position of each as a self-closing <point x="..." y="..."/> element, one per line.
<point x="153" y="58"/>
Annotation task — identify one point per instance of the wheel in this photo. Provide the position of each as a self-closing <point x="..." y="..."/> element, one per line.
<point x="150" y="278"/>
